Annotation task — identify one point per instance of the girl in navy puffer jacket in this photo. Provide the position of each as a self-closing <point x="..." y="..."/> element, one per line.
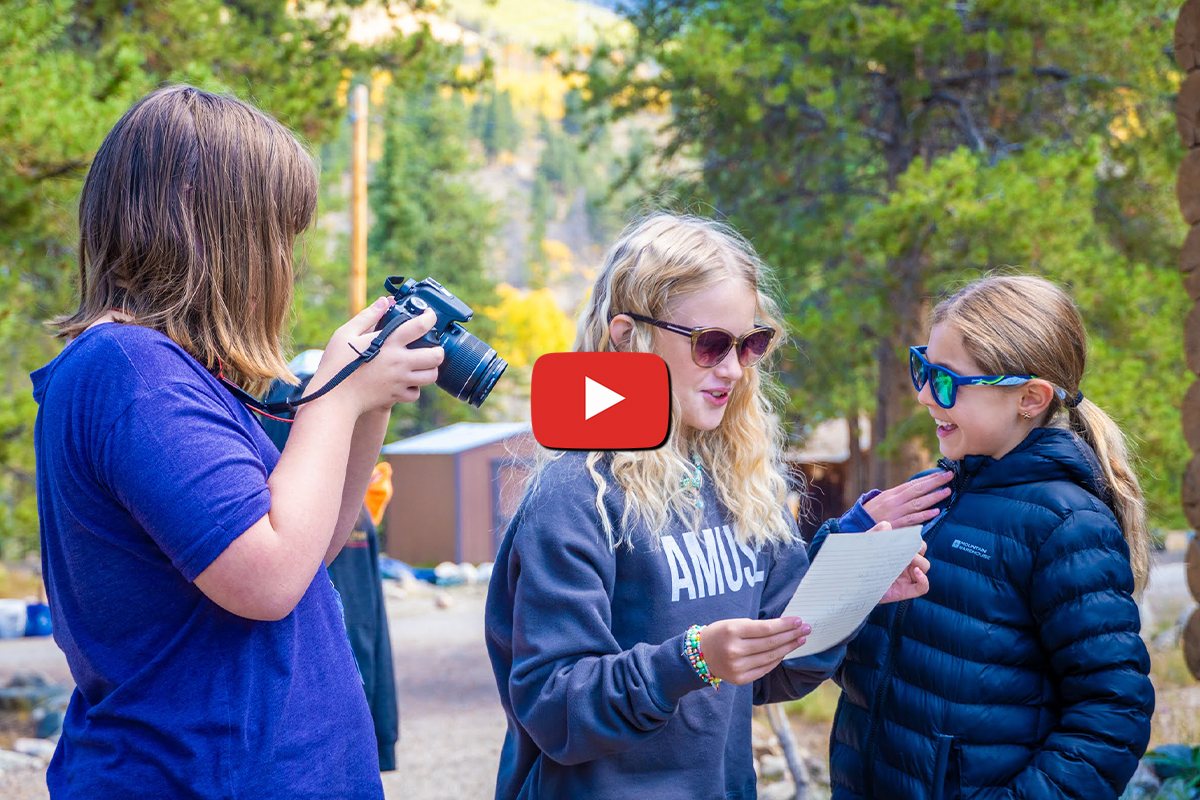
<point x="1021" y="674"/>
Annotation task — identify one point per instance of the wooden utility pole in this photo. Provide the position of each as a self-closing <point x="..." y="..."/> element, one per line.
<point x="358" y="201"/>
<point x="1187" y="189"/>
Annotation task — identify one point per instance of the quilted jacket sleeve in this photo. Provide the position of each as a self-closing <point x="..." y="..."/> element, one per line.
<point x="1088" y="624"/>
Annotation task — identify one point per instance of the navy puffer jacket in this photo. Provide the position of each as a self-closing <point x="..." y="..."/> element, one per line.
<point x="1021" y="674"/>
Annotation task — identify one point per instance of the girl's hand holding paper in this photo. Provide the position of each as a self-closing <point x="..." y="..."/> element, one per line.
<point x="913" y="582"/>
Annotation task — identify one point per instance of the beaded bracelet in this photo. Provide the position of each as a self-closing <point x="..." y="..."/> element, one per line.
<point x="691" y="651"/>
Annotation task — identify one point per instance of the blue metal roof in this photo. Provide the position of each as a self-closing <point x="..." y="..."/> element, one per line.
<point x="456" y="438"/>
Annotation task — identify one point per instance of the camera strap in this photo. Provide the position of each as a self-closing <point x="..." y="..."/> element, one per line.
<point x="289" y="406"/>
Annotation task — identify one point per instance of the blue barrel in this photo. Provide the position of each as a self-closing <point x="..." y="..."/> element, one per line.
<point x="37" y="622"/>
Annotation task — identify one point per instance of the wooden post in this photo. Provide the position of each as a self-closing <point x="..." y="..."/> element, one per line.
<point x="1192" y="565"/>
<point x="1187" y="189"/>
<point x="1190" y="636"/>
<point x="358" y="201"/>
<point x="1190" y="640"/>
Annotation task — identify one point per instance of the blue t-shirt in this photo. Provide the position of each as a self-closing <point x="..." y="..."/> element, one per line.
<point x="147" y="469"/>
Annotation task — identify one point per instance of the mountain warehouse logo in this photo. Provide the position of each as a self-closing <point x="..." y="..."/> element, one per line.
<point x="973" y="549"/>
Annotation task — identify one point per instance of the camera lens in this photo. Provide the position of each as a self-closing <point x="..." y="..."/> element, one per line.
<point x="470" y="368"/>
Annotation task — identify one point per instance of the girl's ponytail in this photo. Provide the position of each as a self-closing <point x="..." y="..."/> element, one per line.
<point x="1102" y="434"/>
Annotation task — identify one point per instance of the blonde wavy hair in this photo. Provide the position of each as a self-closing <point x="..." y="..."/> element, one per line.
<point x="1025" y="325"/>
<point x="657" y="262"/>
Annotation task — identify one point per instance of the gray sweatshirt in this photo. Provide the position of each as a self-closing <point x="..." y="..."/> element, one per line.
<point x="587" y="646"/>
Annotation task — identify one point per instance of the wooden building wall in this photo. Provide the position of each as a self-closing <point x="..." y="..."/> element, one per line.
<point x="420" y="518"/>
<point x="1187" y="190"/>
<point x="451" y="507"/>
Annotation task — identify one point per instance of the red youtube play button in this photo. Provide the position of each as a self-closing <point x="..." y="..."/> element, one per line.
<point x="600" y="401"/>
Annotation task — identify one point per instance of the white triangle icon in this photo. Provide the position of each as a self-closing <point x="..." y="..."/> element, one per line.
<point x="597" y="397"/>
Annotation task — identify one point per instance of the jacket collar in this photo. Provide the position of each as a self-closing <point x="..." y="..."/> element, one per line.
<point x="1046" y="454"/>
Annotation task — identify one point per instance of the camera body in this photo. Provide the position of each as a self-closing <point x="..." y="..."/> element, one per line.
<point x="471" y="368"/>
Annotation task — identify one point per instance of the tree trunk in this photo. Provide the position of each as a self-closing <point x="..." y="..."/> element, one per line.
<point x="791" y="750"/>
<point x="895" y="401"/>
<point x="895" y="398"/>
<point x="856" y="466"/>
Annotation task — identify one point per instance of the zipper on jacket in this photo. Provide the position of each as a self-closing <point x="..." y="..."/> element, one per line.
<point x="894" y="640"/>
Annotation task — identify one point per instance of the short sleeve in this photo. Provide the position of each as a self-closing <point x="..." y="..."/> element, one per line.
<point x="187" y="471"/>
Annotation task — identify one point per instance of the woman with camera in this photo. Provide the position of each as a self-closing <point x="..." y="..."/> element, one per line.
<point x="183" y="554"/>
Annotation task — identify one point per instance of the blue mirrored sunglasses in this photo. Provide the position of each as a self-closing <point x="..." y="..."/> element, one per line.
<point x="944" y="382"/>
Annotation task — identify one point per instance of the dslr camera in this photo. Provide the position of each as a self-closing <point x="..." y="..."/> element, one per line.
<point x="471" y="368"/>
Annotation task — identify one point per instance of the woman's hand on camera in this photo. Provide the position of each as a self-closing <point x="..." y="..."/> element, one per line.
<point x="741" y="651"/>
<point x="910" y="503"/>
<point x="395" y="375"/>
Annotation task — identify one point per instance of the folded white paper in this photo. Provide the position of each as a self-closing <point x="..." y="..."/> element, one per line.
<point x="848" y="578"/>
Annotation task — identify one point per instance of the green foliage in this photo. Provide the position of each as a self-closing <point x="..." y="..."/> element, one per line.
<point x="429" y="222"/>
<point x="574" y="113"/>
<point x="880" y="155"/>
<point x="560" y="172"/>
<point x="817" y="707"/>
<point x="1178" y="763"/>
<point x="541" y="208"/>
<point x="614" y="185"/>
<point x="495" y="122"/>
<point x="68" y="70"/>
<point x="560" y="160"/>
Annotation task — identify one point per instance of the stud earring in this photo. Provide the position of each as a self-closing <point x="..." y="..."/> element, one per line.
<point x="1025" y="414"/>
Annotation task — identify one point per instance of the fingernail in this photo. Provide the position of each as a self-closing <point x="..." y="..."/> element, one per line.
<point x="795" y="621"/>
<point x="806" y="630"/>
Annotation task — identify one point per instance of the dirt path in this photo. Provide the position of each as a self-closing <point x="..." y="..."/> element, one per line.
<point x="451" y="723"/>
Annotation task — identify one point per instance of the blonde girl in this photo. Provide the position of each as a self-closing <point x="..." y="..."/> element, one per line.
<point x="631" y="585"/>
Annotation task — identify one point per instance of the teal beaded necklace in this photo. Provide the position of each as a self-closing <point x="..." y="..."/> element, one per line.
<point x="694" y="481"/>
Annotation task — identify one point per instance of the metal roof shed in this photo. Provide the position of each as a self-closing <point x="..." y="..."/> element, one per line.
<point x="455" y="489"/>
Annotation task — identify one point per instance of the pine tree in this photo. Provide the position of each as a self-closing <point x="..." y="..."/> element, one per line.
<point x="429" y="222"/>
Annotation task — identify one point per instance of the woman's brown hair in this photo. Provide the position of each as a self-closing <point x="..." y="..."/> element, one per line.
<point x="1025" y="325"/>
<point x="187" y="222"/>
